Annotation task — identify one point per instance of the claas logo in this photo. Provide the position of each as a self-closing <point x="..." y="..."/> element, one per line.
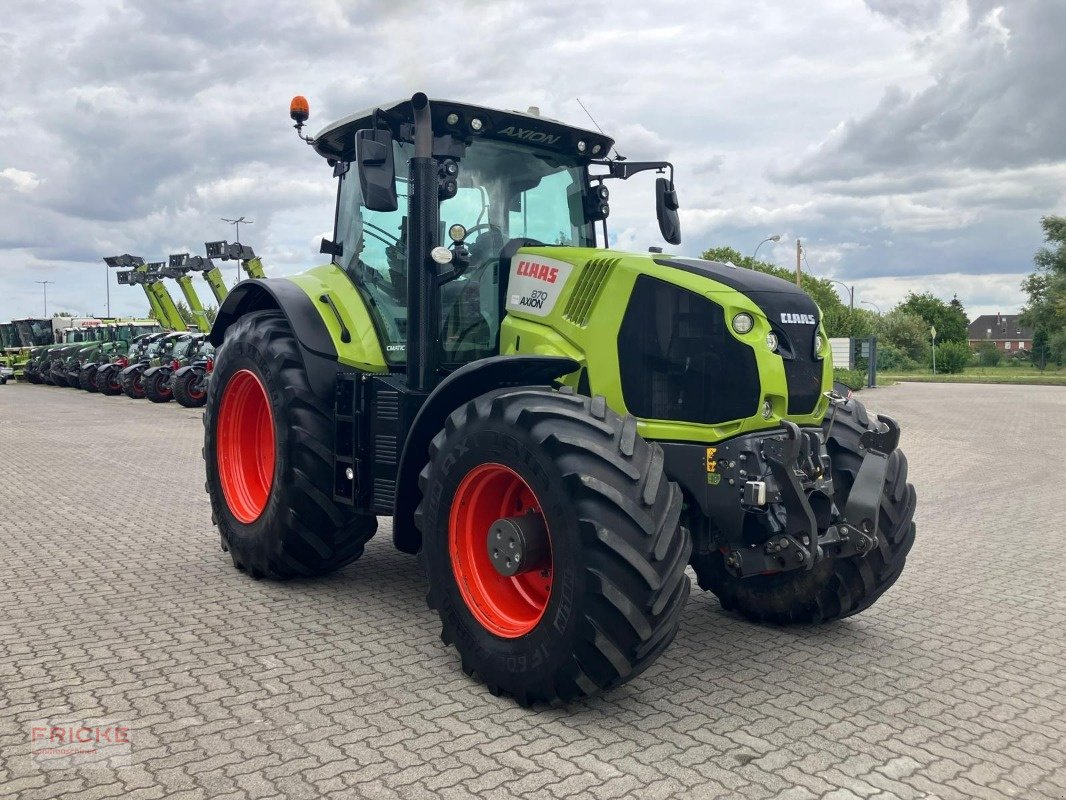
<point x="541" y="272"/>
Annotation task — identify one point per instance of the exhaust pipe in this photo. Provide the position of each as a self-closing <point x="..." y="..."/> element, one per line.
<point x="423" y="299"/>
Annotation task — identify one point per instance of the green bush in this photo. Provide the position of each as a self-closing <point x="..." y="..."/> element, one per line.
<point x="988" y="355"/>
<point x="852" y="378"/>
<point x="892" y="359"/>
<point x="952" y="357"/>
<point x="906" y="332"/>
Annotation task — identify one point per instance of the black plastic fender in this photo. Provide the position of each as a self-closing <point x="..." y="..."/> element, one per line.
<point x="461" y="386"/>
<point x="188" y="368"/>
<point x="153" y="370"/>
<point x="316" y="345"/>
<point x="130" y="369"/>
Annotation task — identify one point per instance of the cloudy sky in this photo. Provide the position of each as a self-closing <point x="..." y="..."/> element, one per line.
<point x="911" y="144"/>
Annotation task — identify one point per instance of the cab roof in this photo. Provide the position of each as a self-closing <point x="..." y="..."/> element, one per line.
<point x="337" y="140"/>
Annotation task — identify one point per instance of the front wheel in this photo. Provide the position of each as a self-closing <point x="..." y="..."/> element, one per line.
<point x="268" y="450"/>
<point x="552" y="544"/>
<point x="157" y="385"/>
<point x="190" y="388"/>
<point x="107" y="380"/>
<point x="835" y="587"/>
<point x="133" y="382"/>
<point x="87" y="379"/>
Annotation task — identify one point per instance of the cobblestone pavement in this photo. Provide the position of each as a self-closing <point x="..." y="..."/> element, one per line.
<point x="116" y="602"/>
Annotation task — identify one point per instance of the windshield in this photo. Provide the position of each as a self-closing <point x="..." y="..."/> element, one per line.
<point x="181" y="348"/>
<point x="505" y="192"/>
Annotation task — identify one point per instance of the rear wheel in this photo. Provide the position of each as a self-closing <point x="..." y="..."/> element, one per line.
<point x="268" y="452"/>
<point x="58" y="378"/>
<point x="189" y="389"/>
<point x="834" y="588"/>
<point x="157" y="386"/>
<point x="552" y="544"/>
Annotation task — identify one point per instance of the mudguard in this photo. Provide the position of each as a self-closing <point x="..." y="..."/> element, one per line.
<point x="461" y="386"/>
<point x="153" y="370"/>
<point x="312" y="336"/>
<point x="188" y="368"/>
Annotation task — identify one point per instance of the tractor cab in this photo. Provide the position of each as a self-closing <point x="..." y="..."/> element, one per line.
<point x="506" y="180"/>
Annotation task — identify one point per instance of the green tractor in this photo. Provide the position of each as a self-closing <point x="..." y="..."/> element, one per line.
<point x="557" y="428"/>
<point x="108" y="376"/>
<point x="116" y="345"/>
<point x="34" y="337"/>
<point x="158" y="379"/>
<point x="157" y="351"/>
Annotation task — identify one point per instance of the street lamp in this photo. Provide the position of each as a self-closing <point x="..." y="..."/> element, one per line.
<point x="775" y="238"/>
<point x="851" y="291"/>
<point x="872" y="304"/>
<point x="44" y="285"/>
<point x="236" y="223"/>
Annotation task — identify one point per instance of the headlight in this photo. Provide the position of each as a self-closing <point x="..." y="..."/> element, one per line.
<point x="767" y="409"/>
<point x="771" y="341"/>
<point x="743" y="323"/>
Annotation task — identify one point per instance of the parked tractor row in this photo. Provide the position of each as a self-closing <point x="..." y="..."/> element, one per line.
<point x="161" y="359"/>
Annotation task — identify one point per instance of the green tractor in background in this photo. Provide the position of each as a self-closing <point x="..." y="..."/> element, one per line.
<point x="35" y="336"/>
<point x="157" y="379"/>
<point x="120" y="334"/>
<point x="158" y="349"/>
<point x="108" y="376"/>
<point x="557" y="428"/>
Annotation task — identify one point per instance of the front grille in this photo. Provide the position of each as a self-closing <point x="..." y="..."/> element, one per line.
<point x="587" y="289"/>
<point x="678" y="361"/>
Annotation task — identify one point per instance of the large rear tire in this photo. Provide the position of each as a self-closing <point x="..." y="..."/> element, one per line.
<point x="157" y="386"/>
<point x="834" y="588"/>
<point x="268" y="452"/>
<point x="606" y="600"/>
<point x="188" y="389"/>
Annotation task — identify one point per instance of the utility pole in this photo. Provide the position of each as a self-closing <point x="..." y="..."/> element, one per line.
<point x="44" y="285"/>
<point x="236" y="223"/>
<point x="107" y="285"/>
<point x="799" y="255"/>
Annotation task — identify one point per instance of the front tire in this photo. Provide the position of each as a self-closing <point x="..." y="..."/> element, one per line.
<point x="189" y="390"/>
<point x="87" y="379"/>
<point x="157" y="386"/>
<point x="107" y="380"/>
<point x="268" y="450"/>
<point x="836" y="587"/>
<point x="133" y="383"/>
<point x="606" y="600"/>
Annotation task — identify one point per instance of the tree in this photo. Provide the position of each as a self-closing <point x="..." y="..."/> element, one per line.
<point x="189" y="318"/>
<point x="949" y="319"/>
<point x="64" y="314"/>
<point x="839" y="320"/>
<point x="988" y="355"/>
<point x="1045" y="310"/>
<point x="907" y="332"/>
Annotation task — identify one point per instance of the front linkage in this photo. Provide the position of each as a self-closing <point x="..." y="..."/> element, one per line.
<point x="788" y="516"/>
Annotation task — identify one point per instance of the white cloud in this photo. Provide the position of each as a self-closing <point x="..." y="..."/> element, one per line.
<point x="22" y="180"/>
<point x="932" y="125"/>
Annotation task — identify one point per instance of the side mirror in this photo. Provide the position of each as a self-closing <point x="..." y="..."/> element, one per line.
<point x="377" y="169"/>
<point x="666" y="210"/>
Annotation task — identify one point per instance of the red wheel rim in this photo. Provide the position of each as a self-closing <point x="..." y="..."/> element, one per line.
<point x="245" y="446"/>
<point x="508" y="607"/>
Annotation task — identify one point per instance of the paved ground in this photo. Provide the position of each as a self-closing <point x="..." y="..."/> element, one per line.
<point x="116" y="602"/>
